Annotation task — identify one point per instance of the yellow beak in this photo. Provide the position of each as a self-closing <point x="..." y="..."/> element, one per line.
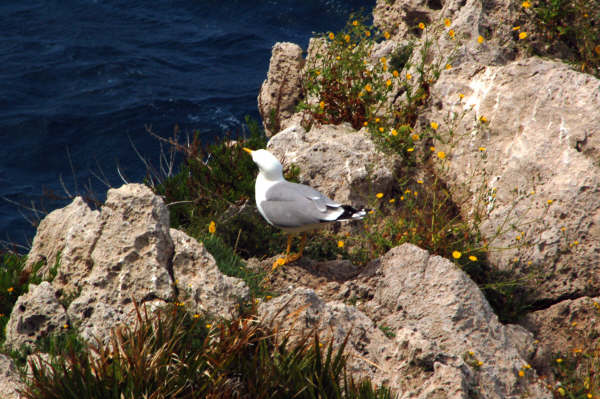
<point x="248" y="150"/>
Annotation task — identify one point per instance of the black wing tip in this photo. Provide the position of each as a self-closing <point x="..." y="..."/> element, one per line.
<point x="351" y="213"/>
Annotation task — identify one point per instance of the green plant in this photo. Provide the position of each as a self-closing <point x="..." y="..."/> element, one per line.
<point x="568" y="28"/>
<point x="14" y="282"/>
<point x="232" y="265"/>
<point x="177" y="354"/>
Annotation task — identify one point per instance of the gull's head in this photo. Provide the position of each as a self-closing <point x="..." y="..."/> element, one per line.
<point x="268" y="165"/>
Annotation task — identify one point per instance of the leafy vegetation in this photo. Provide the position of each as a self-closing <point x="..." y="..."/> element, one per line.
<point x="178" y="354"/>
<point x="14" y="282"/>
<point x="567" y="28"/>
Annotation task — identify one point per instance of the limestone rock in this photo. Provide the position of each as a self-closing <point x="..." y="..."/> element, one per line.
<point x="50" y="242"/>
<point x="9" y="378"/>
<point x="339" y="161"/>
<point x="563" y="329"/>
<point x="420" y="326"/>
<point x="545" y="144"/>
<point x="130" y="260"/>
<point x="280" y="93"/>
<point x="201" y="282"/>
<point x="34" y="315"/>
<point x="469" y="19"/>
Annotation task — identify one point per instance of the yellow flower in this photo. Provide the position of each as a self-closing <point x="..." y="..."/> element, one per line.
<point x="338" y="58"/>
<point x="408" y="76"/>
<point x="395" y="73"/>
<point x="415" y="137"/>
<point x="368" y="88"/>
<point x="432" y="149"/>
<point x="208" y="325"/>
<point x="525" y="4"/>
<point x="434" y="125"/>
<point x="196" y="316"/>
<point x="574" y="324"/>
<point x="394" y="132"/>
<point x="518" y="238"/>
<point x="483" y="119"/>
<point x="516" y="27"/>
<point x="575" y="242"/>
<point x="451" y="33"/>
<point x="381" y="129"/>
<point x="561" y="391"/>
<point x="402" y="198"/>
<point x="521" y="373"/>
<point x="479" y="363"/>
<point x="480" y="39"/>
<point x="268" y="297"/>
<point x="65" y="326"/>
<point x="482" y="149"/>
<point x="392" y="200"/>
<point x="365" y="123"/>
<point x="383" y="60"/>
<point x="446" y="22"/>
<point x="559" y="360"/>
<point x="347" y="38"/>
<point x="522" y="35"/>
<point x="461" y="96"/>
<point x="448" y="66"/>
<point x="388" y="83"/>
<point x="421" y="25"/>
<point x="527" y="366"/>
<point x="386" y="35"/>
<point x="379" y="195"/>
<point x="597" y="49"/>
<point x="473" y="258"/>
<point x="415" y="193"/>
<point x="322" y="104"/>
<point x="367" y="33"/>
<point x="212" y="227"/>
<point x="331" y="36"/>
<point x="441" y="155"/>
<point x="456" y="255"/>
<point x="550" y="202"/>
<point x="377" y="120"/>
<point x="317" y="72"/>
<point x="420" y="181"/>
<point x="410" y="149"/>
<point x="589" y="395"/>
<point x="355" y="23"/>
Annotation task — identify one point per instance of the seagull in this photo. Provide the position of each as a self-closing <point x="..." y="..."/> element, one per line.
<point x="292" y="207"/>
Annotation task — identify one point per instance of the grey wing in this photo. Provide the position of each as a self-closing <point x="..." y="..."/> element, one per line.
<point x="292" y="205"/>
<point x="286" y="191"/>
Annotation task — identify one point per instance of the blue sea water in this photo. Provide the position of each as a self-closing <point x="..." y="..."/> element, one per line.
<point x="80" y="80"/>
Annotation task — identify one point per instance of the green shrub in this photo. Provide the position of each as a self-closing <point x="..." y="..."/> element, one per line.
<point x="567" y="28"/>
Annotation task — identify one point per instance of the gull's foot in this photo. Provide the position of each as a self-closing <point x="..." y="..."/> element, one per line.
<point x="284" y="261"/>
<point x="278" y="262"/>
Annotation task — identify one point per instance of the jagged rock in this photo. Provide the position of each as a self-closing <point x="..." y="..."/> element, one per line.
<point x="564" y="329"/>
<point x="282" y="90"/>
<point x="420" y="326"/>
<point x="543" y="143"/>
<point x="130" y="261"/>
<point x="339" y="161"/>
<point x="54" y="232"/>
<point x="35" y="314"/>
<point x="469" y="19"/>
<point x="202" y="284"/>
<point x="114" y="256"/>
<point x="10" y="382"/>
